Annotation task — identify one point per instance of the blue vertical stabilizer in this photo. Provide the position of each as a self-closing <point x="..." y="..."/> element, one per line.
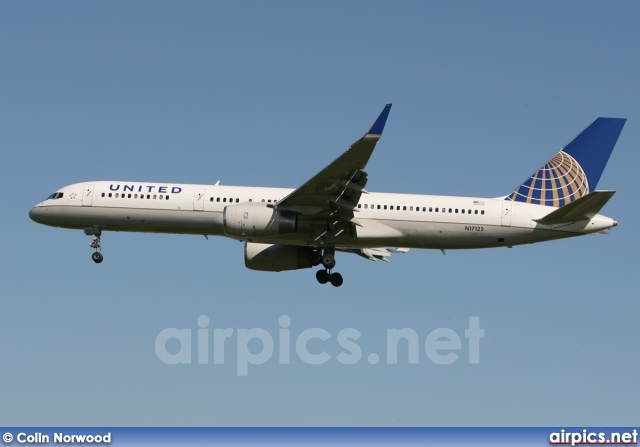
<point x="574" y="171"/>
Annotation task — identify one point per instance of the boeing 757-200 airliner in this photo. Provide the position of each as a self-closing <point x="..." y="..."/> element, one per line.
<point x="289" y="229"/>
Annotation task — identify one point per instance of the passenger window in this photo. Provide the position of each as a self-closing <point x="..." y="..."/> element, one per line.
<point x="385" y="207"/>
<point x="148" y="196"/>
<point x="404" y="208"/>
<point x="154" y="197"/>
<point x="463" y="211"/>
<point x="166" y="198"/>
<point x="482" y="212"/>
<point x="476" y="212"/>
<point x="128" y="196"/>
<point x="237" y="200"/>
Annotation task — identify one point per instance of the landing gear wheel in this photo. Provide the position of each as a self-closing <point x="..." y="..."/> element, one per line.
<point x="323" y="276"/>
<point x="328" y="261"/>
<point x="95" y="233"/>
<point x="336" y="279"/>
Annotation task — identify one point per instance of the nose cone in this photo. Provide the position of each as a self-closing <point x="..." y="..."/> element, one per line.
<point x="38" y="214"/>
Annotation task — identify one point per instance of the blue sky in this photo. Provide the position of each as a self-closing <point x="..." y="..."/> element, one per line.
<point x="266" y="94"/>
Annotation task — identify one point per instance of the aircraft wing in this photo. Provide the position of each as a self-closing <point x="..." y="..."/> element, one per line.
<point x="334" y="192"/>
<point x="375" y="254"/>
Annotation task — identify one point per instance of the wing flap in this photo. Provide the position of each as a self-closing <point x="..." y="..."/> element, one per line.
<point x="375" y="254"/>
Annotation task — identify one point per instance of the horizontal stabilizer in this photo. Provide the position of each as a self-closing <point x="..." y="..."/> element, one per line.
<point x="583" y="208"/>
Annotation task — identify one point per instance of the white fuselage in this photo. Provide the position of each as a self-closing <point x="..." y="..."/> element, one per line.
<point x="384" y="219"/>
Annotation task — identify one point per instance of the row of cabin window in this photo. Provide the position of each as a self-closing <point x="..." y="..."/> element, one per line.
<point x="224" y="199"/>
<point x="424" y="209"/>
<point x="231" y="200"/>
<point x="135" y="196"/>
<point x="366" y="206"/>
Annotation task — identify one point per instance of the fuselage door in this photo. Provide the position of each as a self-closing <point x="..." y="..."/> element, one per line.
<point x="87" y="195"/>
<point x="506" y="214"/>
<point x="198" y="199"/>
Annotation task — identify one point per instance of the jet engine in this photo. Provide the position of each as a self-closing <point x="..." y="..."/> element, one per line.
<point x="275" y="258"/>
<point x="249" y="220"/>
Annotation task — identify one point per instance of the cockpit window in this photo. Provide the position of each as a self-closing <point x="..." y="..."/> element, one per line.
<point x="55" y="195"/>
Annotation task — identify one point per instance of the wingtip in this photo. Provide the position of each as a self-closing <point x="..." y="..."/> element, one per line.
<point x="378" y="125"/>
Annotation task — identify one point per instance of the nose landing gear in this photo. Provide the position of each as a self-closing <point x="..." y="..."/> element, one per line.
<point x="95" y="232"/>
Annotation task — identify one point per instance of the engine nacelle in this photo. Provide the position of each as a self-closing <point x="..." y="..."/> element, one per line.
<point x="257" y="220"/>
<point x="275" y="258"/>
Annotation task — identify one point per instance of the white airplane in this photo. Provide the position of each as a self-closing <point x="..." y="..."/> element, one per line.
<point x="289" y="229"/>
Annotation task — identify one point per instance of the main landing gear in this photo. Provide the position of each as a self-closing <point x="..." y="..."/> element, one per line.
<point x="95" y="232"/>
<point x="328" y="261"/>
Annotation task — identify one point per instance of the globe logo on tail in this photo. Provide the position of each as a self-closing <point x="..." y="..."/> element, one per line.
<point x="560" y="181"/>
